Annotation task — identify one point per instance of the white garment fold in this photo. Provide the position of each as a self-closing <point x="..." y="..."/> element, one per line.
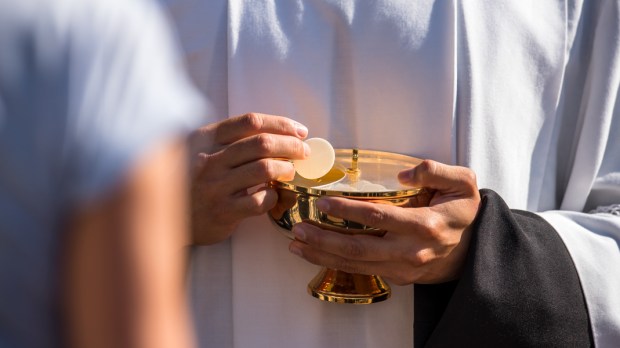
<point x="507" y="88"/>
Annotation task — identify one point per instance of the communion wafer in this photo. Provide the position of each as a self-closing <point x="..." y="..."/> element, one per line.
<point x="320" y="161"/>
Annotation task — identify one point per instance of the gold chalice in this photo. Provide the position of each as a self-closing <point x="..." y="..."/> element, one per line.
<point x="357" y="174"/>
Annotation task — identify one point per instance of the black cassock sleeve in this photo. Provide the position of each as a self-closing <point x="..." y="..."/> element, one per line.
<point x="519" y="288"/>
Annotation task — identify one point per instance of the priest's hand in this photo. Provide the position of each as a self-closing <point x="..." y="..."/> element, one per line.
<point x="233" y="160"/>
<point x="426" y="242"/>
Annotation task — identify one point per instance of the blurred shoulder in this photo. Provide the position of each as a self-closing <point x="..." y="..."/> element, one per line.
<point x="62" y="14"/>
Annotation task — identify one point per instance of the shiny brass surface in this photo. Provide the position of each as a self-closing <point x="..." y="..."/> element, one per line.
<point x="341" y="287"/>
<point x="297" y="203"/>
<point x="298" y="207"/>
<point x="353" y="172"/>
<point x="375" y="166"/>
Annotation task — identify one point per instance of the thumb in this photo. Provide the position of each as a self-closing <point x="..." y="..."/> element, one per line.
<point x="442" y="177"/>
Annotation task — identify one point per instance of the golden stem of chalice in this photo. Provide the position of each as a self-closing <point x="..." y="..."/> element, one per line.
<point x="357" y="174"/>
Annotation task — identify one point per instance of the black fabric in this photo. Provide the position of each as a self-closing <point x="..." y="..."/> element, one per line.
<point x="430" y="301"/>
<point x="519" y="288"/>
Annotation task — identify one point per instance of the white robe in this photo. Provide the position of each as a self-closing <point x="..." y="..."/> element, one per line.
<point x="524" y="93"/>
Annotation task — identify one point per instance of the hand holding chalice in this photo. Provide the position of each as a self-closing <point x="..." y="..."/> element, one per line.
<point x="360" y="175"/>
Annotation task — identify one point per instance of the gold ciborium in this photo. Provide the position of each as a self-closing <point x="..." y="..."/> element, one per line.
<point x="357" y="174"/>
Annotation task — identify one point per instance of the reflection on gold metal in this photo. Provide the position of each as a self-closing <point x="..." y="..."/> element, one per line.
<point x="375" y="166"/>
<point x="336" y="286"/>
<point x="297" y="203"/>
<point x="353" y="172"/>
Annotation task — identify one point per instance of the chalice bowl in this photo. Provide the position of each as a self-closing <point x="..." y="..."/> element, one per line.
<point x="366" y="175"/>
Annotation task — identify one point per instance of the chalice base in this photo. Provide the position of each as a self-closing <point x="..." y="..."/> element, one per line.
<point x="342" y="287"/>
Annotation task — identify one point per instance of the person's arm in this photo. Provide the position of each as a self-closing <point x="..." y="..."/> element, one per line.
<point x="484" y="275"/>
<point x="125" y="260"/>
<point x="519" y="288"/>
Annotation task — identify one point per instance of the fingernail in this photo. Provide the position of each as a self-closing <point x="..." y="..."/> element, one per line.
<point x="295" y="250"/>
<point x="302" y="131"/>
<point x="299" y="233"/>
<point x="322" y="204"/>
<point x="307" y="150"/>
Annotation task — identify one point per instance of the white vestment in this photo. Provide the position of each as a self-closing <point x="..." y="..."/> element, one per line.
<point x="523" y="92"/>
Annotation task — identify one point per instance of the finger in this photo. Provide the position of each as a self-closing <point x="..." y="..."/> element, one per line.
<point x="322" y="258"/>
<point x="250" y="156"/>
<point x="259" y="172"/>
<point x="393" y="272"/>
<point x="421" y="199"/>
<point x="202" y="139"/>
<point x="439" y="176"/>
<point x="243" y="126"/>
<point x="253" y="204"/>
<point x="286" y="200"/>
<point x="381" y="216"/>
<point x="351" y="247"/>
<point x="237" y="182"/>
<point x="264" y="146"/>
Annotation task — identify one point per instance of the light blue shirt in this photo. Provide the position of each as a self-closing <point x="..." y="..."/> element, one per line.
<point x="85" y="88"/>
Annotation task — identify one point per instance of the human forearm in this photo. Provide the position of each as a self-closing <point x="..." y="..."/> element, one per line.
<point x="125" y="262"/>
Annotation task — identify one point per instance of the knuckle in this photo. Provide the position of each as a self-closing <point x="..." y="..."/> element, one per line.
<point x="420" y="258"/>
<point x="423" y="170"/>
<point x="434" y="226"/>
<point x="469" y="176"/>
<point x="375" y="216"/>
<point x="264" y="169"/>
<point x="354" y="249"/>
<point x="428" y="166"/>
<point x="252" y="121"/>
<point x="470" y="180"/>
<point x="265" y="143"/>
